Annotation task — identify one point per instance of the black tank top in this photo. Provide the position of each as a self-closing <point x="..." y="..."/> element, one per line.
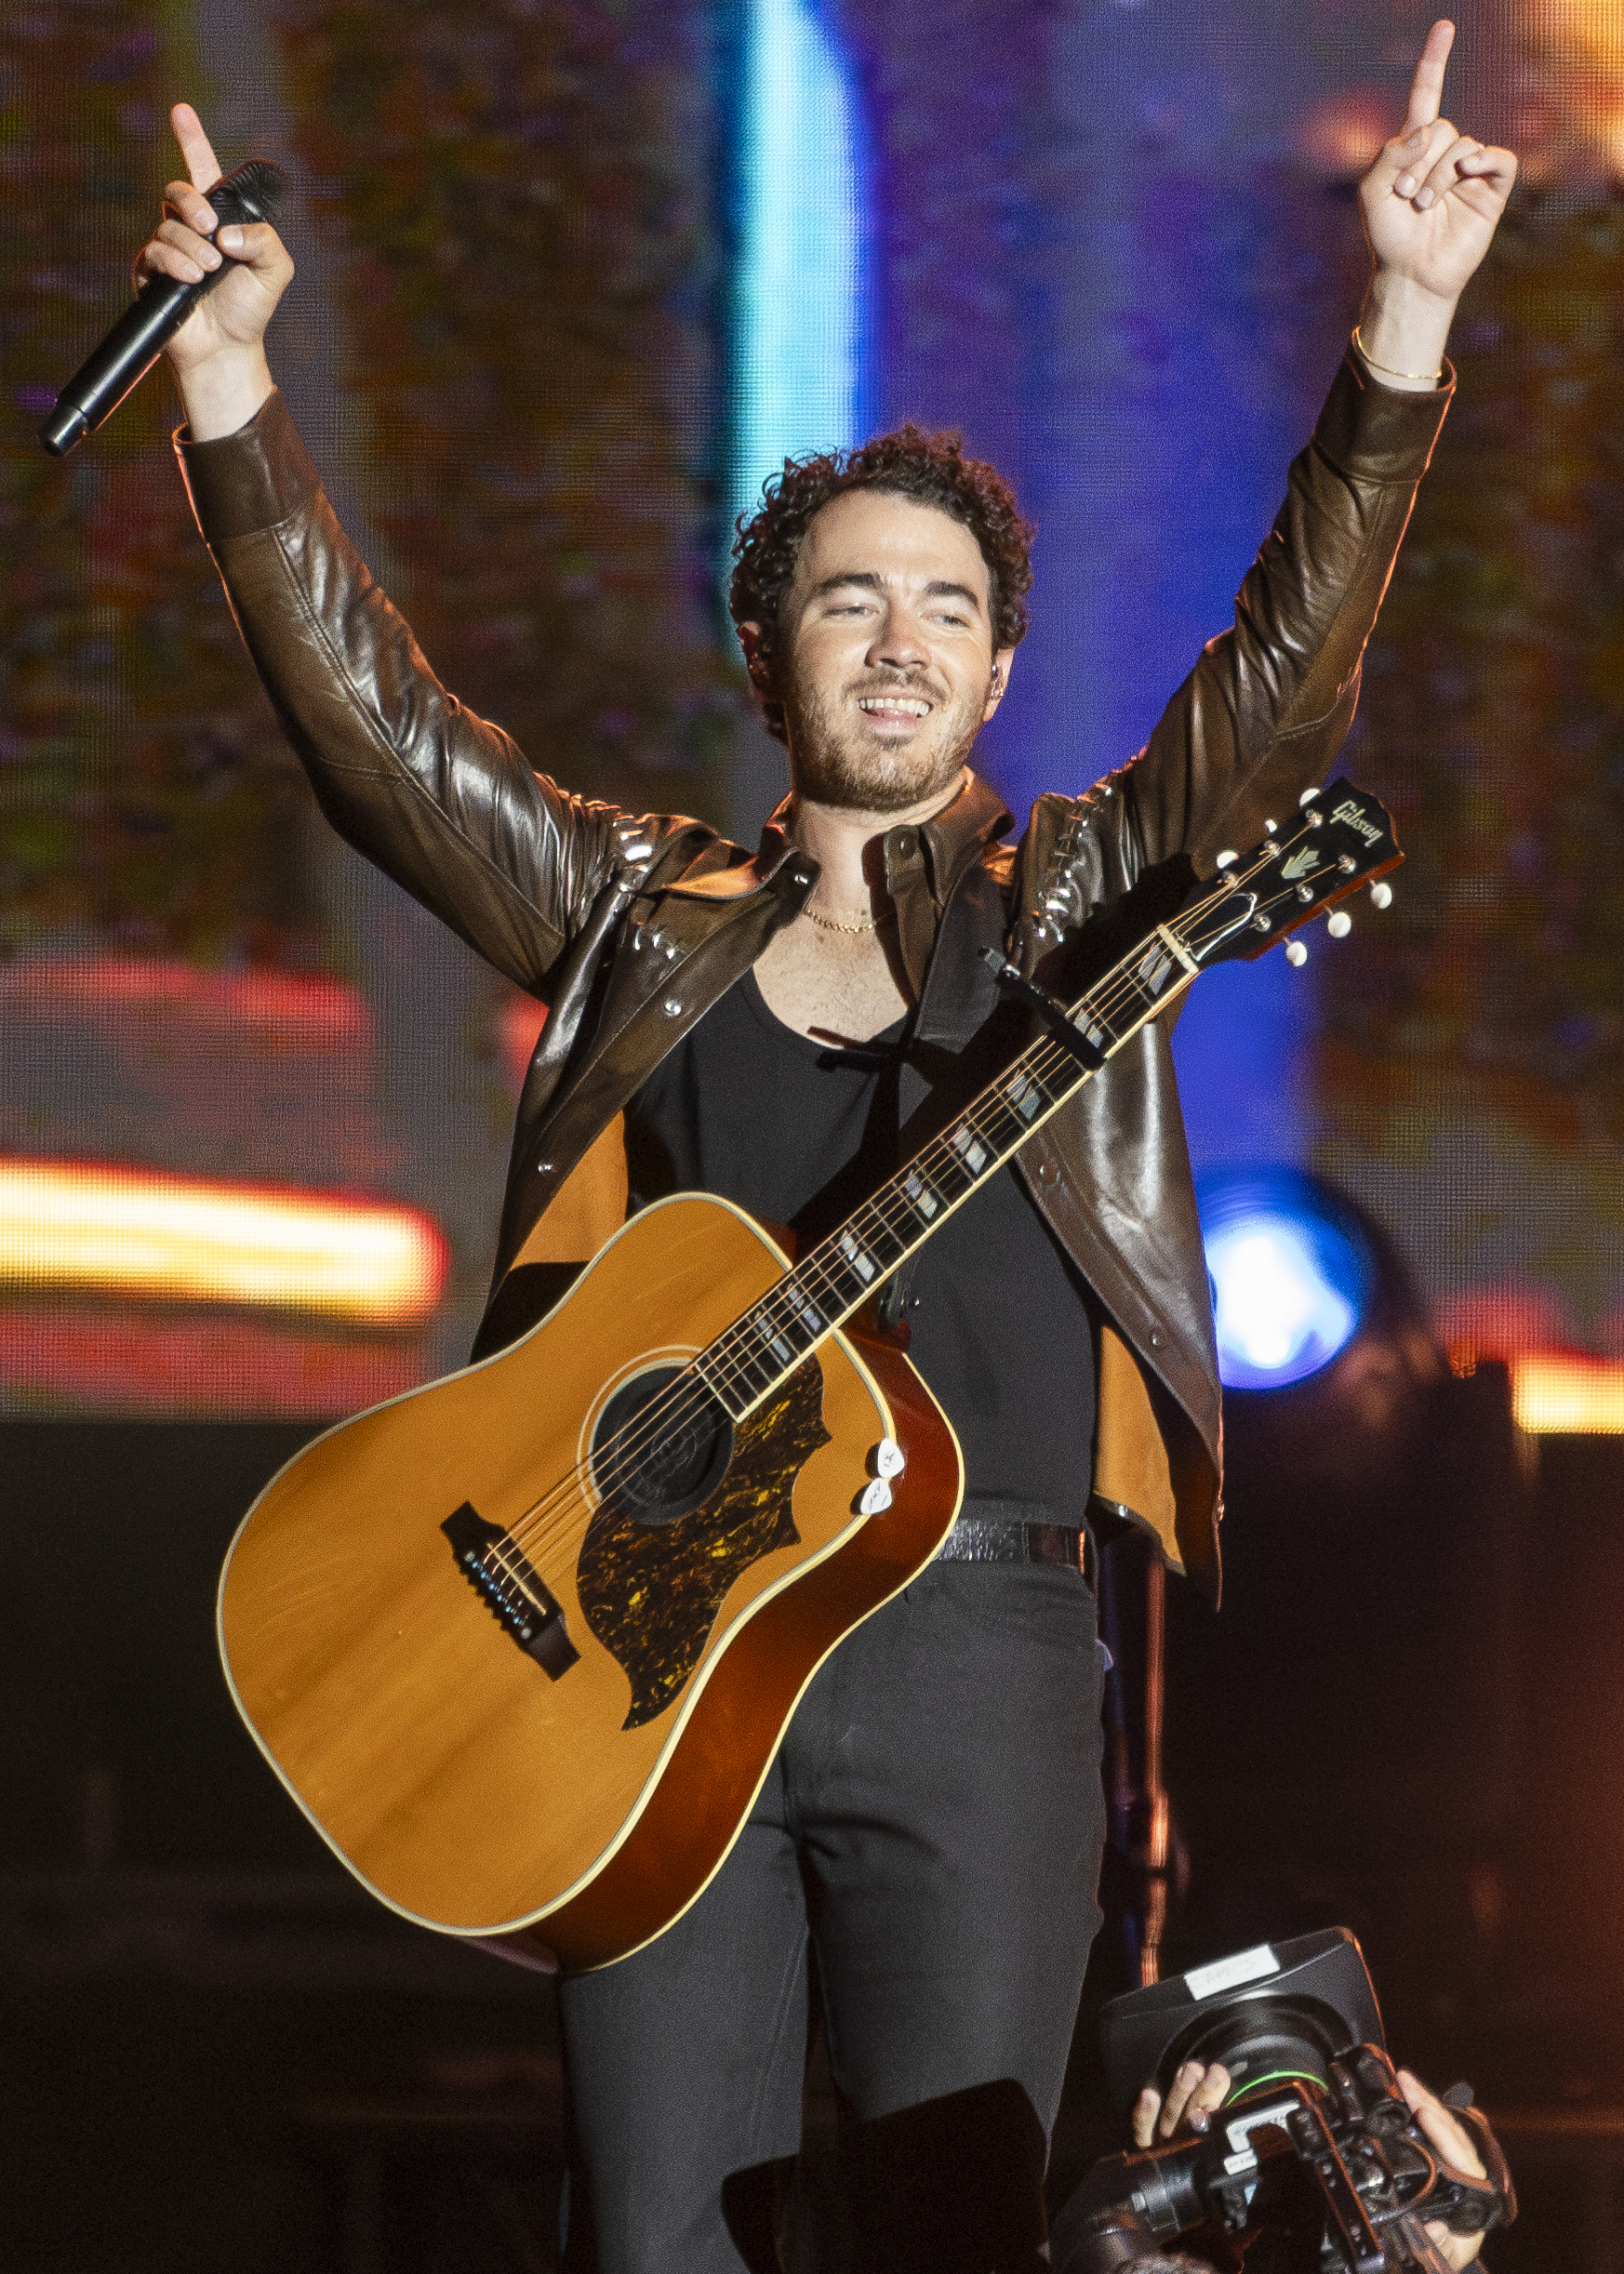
<point x="799" y="1133"/>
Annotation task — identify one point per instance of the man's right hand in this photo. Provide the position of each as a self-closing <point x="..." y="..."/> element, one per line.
<point x="218" y="356"/>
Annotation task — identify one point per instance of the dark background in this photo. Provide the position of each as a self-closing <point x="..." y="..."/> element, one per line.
<point x="217" y="2050"/>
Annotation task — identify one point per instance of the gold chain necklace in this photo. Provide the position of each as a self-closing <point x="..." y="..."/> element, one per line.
<point x="828" y="923"/>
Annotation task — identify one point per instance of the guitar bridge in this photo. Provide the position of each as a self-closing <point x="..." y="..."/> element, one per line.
<point x="512" y="1589"/>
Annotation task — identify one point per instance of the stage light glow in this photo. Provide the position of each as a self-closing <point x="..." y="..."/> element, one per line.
<point x="1584" y="40"/>
<point x="1560" y="1393"/>
<point x="130" y="999"/>
<point x="797" y="329"/>
<point x="75" y="1228"/>
<point x="1291" y="1276"/>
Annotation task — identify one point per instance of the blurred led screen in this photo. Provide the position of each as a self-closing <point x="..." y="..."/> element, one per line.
<point x="570" y="281"/>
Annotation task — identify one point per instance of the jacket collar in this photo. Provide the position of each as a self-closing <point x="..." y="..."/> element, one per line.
<point x="950" y="839"/>
<point x="704" y="880"/>
<point x="946" y="844"/>
<point x="954" y="836"/>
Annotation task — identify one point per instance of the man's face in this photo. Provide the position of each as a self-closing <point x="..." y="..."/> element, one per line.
<point x="886" y="652"/>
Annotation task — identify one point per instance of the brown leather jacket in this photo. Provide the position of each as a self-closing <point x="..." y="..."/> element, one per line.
<point x="630" y="927"/>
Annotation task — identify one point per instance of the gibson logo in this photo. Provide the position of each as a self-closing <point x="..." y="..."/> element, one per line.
<point x="1347" y="811"/>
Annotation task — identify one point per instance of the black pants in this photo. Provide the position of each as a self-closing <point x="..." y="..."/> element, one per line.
<point x="933" y="1824"/>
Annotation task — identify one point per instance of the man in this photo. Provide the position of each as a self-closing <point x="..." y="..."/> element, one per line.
<point x="924" y="1855"/>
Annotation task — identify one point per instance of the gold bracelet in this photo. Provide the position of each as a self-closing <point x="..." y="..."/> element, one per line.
<point x="1387" y="370"/>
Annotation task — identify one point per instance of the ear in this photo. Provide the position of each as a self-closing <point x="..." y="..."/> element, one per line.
<point x="999" y="687"/>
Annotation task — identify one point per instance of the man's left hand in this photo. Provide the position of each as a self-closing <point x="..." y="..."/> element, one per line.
<point x="1452" y="2141"/>
<point x="1431" y="202"/>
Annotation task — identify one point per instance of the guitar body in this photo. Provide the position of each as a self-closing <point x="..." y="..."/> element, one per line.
<point x="527" y="1697"/>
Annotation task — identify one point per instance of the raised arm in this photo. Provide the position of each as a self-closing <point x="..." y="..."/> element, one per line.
<point x="438" y="798"/>
<point x="1266" y="710"/>
<point x="218" y="356"/>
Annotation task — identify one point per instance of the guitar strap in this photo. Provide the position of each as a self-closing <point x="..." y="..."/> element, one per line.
<point x="940" y="1072"/>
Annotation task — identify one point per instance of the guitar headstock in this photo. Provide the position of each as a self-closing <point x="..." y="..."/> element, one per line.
<point x="1339" y="840"/>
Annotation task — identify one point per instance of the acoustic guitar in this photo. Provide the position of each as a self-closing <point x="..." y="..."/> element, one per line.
<point x="522" y="1643"/>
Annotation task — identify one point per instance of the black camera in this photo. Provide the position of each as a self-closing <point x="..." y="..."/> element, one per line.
<point x="1313" y="2164"/>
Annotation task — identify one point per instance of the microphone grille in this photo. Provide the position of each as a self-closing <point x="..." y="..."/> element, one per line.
<point x="256" y="189"/>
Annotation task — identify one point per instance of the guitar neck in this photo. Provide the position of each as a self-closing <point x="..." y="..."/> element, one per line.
<point x="751" y="1359"/>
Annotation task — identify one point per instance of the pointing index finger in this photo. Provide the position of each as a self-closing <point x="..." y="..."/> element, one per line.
<point x="196" y="147"/>
<point x="1427" y="86"/>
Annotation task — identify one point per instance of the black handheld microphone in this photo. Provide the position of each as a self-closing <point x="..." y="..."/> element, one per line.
<point x="250" y="192"/>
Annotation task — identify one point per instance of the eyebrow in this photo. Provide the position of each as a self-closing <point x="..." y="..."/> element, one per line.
<point x="937" y="588"/>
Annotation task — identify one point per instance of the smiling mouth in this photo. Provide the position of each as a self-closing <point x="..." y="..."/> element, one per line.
<point x="894" y="706"/>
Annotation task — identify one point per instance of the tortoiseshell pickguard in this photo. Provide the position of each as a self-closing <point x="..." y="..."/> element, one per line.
<point x="651" y="1592"/>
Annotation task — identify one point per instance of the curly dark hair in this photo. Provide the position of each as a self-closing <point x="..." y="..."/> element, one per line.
<point x="928" y="467"/>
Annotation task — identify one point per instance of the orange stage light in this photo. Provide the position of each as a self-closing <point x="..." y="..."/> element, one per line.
<point x="1584" y="39"/>
<point x="519" y="1026"/>
<point x="77" y="1228"/>
<point x="1562" y="1393"/>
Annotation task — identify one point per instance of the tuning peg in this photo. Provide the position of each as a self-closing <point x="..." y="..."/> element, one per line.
<point x="1382" y="893"/>
<point x="1270" y="829"/>
<point x="1226" y="860"/>
<point x="1307" y="797"/>
<point x="1338" y="923"/>
<point x="1295" y="953"/>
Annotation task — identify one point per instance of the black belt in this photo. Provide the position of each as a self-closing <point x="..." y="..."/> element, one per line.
<point x="1003" y="1532"/>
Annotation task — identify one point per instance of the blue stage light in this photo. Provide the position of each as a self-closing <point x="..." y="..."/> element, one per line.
<point x="1293" y="1274"/>
<point x="797" y="345"/>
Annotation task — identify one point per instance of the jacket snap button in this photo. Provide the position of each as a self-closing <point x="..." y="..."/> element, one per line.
<point x="672" y="1007"/>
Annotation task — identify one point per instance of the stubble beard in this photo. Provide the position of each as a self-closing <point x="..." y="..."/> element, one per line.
<point x="834" y="764"/>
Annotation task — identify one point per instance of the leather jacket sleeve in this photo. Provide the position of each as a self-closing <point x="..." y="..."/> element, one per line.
<point x="438" y="798"/>
<point x="1264" y="712"/>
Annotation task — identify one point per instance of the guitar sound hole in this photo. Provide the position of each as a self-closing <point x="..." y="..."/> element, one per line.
<point x="658" y="1466"/>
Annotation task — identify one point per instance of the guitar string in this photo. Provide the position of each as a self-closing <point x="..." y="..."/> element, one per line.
<point x="686" y="1399"/>
<point x="816" y="1273"/>
<point x="1041" y="1061"/>
<point x="691" y="1395"/>
<point x="776" y="1309"/>
<point x="689" y="1398"/>
<point x="1045" y="1058"/>
<point x="663" y="1411"/>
